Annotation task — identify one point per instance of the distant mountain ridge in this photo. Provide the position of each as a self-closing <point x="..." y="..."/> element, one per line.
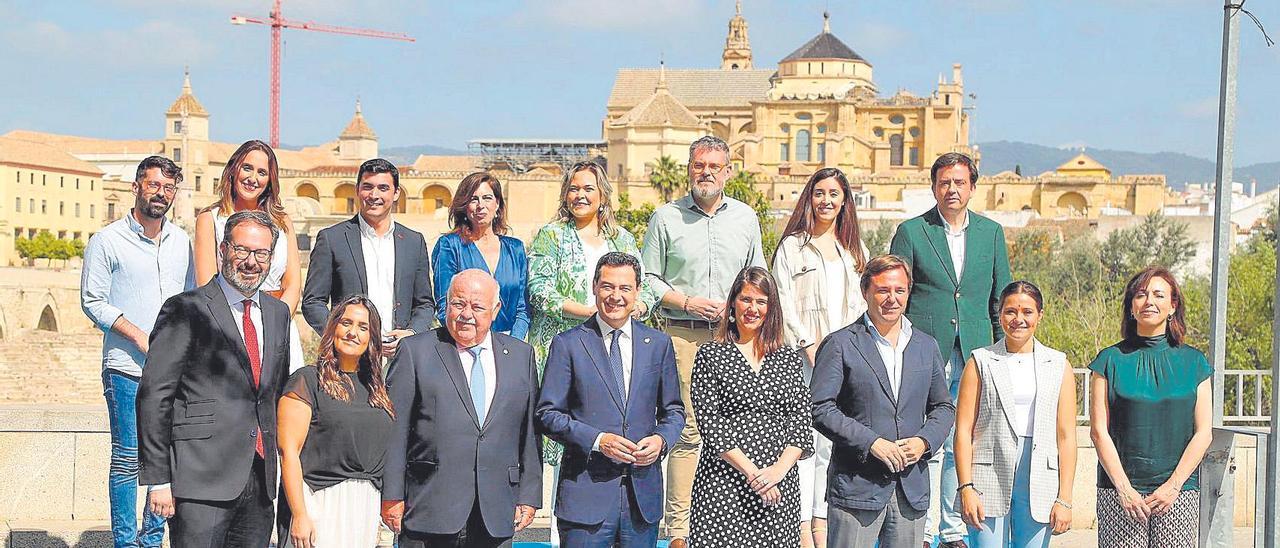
<point x="406" y="155"/>
<point x="1177" y="168"/>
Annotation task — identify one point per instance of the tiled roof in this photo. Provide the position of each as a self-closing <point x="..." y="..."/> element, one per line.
<point x="660" y="109"/>
<point x="446" y="163"/>
<point x="823" y="46"/>
<point x="187" y="101"/>
<point x="694" y="88"/>
<point x="40" y="155"/>
<point x="1082" y="162"/>
<point x="358" y="128"/>
<point x="74" y="144"/>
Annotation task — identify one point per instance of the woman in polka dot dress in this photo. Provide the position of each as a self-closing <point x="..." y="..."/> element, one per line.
<point x="754" y="416"/>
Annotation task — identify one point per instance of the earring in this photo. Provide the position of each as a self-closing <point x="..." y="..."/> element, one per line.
<point x="731" y="320"/>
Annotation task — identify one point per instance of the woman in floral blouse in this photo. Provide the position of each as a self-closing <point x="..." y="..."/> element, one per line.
<point x="562" y="261"/>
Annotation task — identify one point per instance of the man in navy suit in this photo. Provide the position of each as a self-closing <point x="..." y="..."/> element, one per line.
<point x="611" y="396"/>
<point x="880" y="395"/>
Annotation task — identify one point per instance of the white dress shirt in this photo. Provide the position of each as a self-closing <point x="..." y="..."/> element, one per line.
<point x="955" y="243"/>
<point x="890" y="353"/>
<point x="235" y="299"/>
<point x="486" y="363"/>
<point x="624" y="348"/>
<point x="380" y="267"/>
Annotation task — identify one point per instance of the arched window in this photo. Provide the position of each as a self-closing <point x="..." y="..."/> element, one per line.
<point x="803" y="144"/>
<point x="344" y="199"/>
<point x="822" y="153"/>
<point x="895" y="150"/>
<point x="784" y="152"/>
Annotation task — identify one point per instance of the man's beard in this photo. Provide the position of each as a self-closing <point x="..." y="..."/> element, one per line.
<point x="704" y="194"/>
<point x="155" y="210"/>
<point x="240" y="279"/>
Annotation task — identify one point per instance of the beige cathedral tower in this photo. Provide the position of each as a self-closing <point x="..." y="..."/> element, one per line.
<point x="737" y="46"/>
<point x="186" y="142"/>
<point x="357" y="142"/>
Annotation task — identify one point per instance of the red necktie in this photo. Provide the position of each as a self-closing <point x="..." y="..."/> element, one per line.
<point x="255" y="361"/>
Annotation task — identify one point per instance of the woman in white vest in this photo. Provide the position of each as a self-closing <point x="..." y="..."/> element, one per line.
<point x="1016" y="432"/>
<point x="818" y="267"/>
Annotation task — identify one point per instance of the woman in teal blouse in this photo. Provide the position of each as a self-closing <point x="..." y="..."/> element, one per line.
<point x="562" y="261"/>
<point x="478" y="217"/>
<point x="1150" y="414"/>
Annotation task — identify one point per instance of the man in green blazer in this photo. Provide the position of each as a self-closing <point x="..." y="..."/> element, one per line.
<point x="959" y="266"/>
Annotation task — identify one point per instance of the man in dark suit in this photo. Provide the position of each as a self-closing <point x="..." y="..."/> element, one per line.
<point x="372" y="255"/>
<point x="871" y="399"/>
<point x="207" y="401"/>
<point x="464" y="456"/>
<point x="959" y="264"/>
<point x="609" y="491"/>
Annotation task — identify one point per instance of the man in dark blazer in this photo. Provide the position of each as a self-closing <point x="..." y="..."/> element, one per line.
<point x="960" y="264"/>
<point x="372" y="255"/>
<point x="464" y="456"/>
<point x="207" y="401"/>
<point x="880" y="396"/>
<point x="611" y="396"/>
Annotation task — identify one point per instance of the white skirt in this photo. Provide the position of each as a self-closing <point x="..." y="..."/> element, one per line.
<point x="344" y="515"/>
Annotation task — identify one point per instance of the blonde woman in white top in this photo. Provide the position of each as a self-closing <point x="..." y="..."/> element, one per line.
<point x="1015" y="444"/>
<point x="818" y="266"/>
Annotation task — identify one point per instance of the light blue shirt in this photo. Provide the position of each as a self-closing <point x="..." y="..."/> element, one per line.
<point x="890" y="353"/>
<point x="127" y="274"/>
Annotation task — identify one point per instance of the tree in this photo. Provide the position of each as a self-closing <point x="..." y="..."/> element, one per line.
<point x="1158" y="240"/>
<point x="635" y="220"/>
<point x="668" y="177"/>
<point x="1269" y="223"/>
<point x="742" y="187"/>
<point x="46" y="246"/>
<point x="877" y="239"/>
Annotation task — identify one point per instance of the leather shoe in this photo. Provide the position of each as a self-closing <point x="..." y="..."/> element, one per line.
<point x="954" y="544"/>
<point x="678" y="543"/>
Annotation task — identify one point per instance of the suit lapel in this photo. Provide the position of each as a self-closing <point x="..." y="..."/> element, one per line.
<point x="641" y="350"/>
<point x="974" y="240"/>
<point x="403" y="274"/>
<point x="357" y="253"/>
<point x="270" y="343"/>
<point x="1048" y="389"/>
<point x="936" y="234"/>
<point x="866" y="346"/>
<point x="504" y="381"/>
<point x="1000" y="377"/>
<point x="453" y="366"/>
<point x="593" y="343"/>
<point x="221" y="312"/>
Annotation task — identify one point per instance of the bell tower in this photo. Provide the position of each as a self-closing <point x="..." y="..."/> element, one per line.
<point x="737" y="46"/>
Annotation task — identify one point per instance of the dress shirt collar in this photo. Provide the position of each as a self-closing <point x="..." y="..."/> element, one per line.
<point x="136" y="227"/>
<point x="367" y="231"/>
<point x="903" y="336"/>
<point x="234" y="296"/>
<point x="607" y="330"/>
<point x="486" y="344"/>
<point x="947" y="226"/>
<point x="688" y="202"/>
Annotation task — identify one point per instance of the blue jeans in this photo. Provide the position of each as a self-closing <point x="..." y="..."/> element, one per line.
<point x="121" y="392"/>
<point x="1017" y="528"/>
<point x="943" y="520"/>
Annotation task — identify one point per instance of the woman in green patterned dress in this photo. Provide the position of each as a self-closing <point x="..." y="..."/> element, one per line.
<point x="562" y="260"/>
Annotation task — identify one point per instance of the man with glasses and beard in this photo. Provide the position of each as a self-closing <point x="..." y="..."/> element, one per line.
<point x="693" y="249"/>
<point x="207" y="401"/>
<point x="130" y="267"/>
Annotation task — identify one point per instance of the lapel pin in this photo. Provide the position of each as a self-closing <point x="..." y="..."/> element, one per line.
<point x="646" y="340"/>
<point x="505" y="351"/>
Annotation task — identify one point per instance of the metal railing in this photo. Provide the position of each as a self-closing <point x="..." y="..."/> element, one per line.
<point x="1246" y="396"/>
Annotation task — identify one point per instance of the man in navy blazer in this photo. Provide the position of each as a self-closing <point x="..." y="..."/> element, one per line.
<point x="880" y="395"/>
<point x="611" y="396"/>
<point x="464" y="466"/>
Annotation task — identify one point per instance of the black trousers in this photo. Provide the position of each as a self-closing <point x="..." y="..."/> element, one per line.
<point x="473" y="535"/>
<point x="244" y="521"/>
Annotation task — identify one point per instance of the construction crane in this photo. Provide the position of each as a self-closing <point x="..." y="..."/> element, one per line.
<point x="278" y="22"/>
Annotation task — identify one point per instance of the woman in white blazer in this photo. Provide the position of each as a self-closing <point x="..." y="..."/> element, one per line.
<point x="818" y="266"/>
<point x="1016" y="432"/>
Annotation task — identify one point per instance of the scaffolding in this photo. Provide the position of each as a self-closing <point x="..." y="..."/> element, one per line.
<point x="520" y="155"/>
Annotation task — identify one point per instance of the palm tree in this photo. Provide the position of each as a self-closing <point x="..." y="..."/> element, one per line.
<point x="668" y="177"/>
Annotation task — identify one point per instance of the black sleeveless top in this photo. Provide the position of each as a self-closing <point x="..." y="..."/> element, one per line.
<point x="346" y="439"/>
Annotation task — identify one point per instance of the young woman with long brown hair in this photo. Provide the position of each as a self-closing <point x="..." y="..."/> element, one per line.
<point x="817" y="265"/>
<point x="334" y="421"/>
<point x="251" y="181"/>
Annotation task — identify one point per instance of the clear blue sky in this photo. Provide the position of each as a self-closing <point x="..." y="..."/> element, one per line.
<point x="1126" y="74"/>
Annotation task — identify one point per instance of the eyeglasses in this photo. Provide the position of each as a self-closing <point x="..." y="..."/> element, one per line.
<point x="714" y="169"/>
<point x="241" y="253"/>
<point x="154" y="186"/>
